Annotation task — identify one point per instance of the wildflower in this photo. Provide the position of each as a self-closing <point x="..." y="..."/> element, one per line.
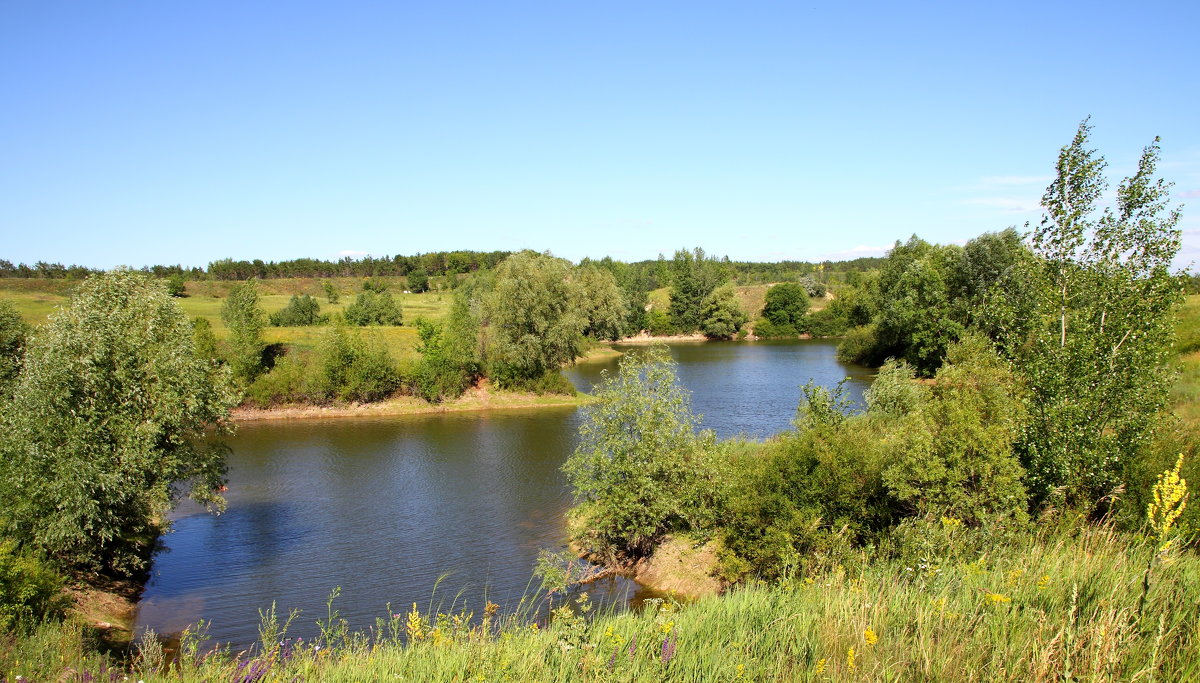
<point x="820" y="666"/>
<point x="951" y="522"/>
<point x="870" y="637"/>
<point x="741" y="670"/>
<point x="666" y="627"/>
<point x="415" y="628"/>
<point x="1170" y="499"/>
<point x="1043" y="582"/>
<point x="850" y="664"/>
<point x="996" y="598"/>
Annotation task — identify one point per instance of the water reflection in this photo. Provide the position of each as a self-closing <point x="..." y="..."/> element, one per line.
<point x="437" y="509"/>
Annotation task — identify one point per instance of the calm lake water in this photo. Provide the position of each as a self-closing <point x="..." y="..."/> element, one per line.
<point x="446" y="509"/>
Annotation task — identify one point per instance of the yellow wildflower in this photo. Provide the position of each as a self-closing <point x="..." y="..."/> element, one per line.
<point x="870" y="637"/>
<point x="415" y="627"/>
<point x="666" y="627"/>
<point x="996" y="598"/>
<point x="850" y="664"/>
<point x="951" y="522"/>
<point x="1043" y="582"/>
<point x="1170" y="499"/>
<point x="820" y="666"/>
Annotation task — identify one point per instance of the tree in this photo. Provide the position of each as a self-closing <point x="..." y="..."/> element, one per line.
<point x="374" y="308"/>
<point x="106" y="427"/>
<point x="533" y="325"/>
<point x="14" y="333"/>
<point x="1096" y="357"/>
<point x="693" y="277"/>
<point x="785" y="307"/>
<point x="331" y="292"/>
<point x="721" y="314"/>
<point x="301" y="311"/>
<point x="418" y="281"/>
<point x="245" y="320"/>
<point x="640" y="466"/>
<point x="449" y="354"/>
<point x="176" y="284"/>
<point x="600" y="301"/>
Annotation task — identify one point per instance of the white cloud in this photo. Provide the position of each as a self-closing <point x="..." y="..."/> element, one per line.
<point x="1189" y="194"/>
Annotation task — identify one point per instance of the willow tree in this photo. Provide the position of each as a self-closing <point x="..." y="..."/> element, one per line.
<point x="104" y="430"/>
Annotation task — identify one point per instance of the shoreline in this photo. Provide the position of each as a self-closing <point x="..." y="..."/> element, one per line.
<point x="480" y="398"/>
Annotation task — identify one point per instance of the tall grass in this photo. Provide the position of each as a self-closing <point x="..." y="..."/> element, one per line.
<point x="1061" y="606"/>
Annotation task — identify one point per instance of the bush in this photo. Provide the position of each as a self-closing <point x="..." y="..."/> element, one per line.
<point x="807" y="500"/>
<point x="29" y="590"/>
<point x="955" y="456"/>
<point x="350" y="369"/>
<point x="301" y="311"/>
<point x="859" y="346"/>
<point x="659" y="324"/>
<point x="721" y="314"/>
<point x="765" y="329"/>
<point x="895" y="391"/>
<point x="288" y="382"/>
<point x="641" y="470"/>
<point x="786" y="304"/>
<point x="374" y="308"/>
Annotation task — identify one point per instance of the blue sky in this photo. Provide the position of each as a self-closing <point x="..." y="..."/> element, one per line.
<point x="171" y="132"/>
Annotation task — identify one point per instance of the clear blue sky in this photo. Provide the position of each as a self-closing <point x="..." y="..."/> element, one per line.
<point x="172" y="132"/>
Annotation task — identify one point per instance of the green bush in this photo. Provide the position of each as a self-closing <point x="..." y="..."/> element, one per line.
<point x="288" y="382"/>
<point x="659" y="324"/>
<point x="807" y="500"/>
<point x="301" y="311"/>
<point x="859" y="346"/>
<point x="641" y="469"/>
<point x="785" y="305"/>
<point x="765" y="329"/>
<point x="29" y="590"/>
<point x="955" y="456"/>
<point x="895" y="391"/>
<point x="721" y="316"/>
<point x="350" y="369"/>
<point x="373" y="308"/>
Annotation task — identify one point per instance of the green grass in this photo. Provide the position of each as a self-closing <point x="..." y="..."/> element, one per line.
<point x="36" y="299"/>
<point x="1063" y="606"/>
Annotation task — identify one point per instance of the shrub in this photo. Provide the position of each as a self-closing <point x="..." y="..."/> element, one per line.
<point x="287" y="382"/>
<point x="786" y="304"/>
<point x="350" y="369"/>
<point x="301" y="311"/>
<point x="659" y="324"/>
<point x="955" y="456"/>
<point x="766" y="329"/>
<point x="895" y="391"/>
<point x="374" y="308"/>
<point x="29" y="590"/>
<point x="721" y="314"/>
<point x="859" y="346"/>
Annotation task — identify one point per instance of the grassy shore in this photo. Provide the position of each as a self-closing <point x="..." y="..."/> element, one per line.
<point x="1064" y="606"/>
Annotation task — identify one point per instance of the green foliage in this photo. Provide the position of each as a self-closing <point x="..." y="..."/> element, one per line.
<point x="808" y="499"/>
<point x="895" y="392"/>
<point x="449" y="355"/>
<point x="204" y="340"/>
<point x="14" y="333"/>
<point x="600" y="301"/>
<point x="821" y="407"/>
<point x="245" y="319"/>
<point x="765" y="329"/>
<point x="30" y="591"/>
<point x="289" y="381"/>
<point x="659" y="324"/>
<point x="721" y="314"/>
<point x="418" y="282"/>
<point x="954" y="457"/>
<point x="693" y="277"/>
<point x="176" y="284"/>
<point x="915" y="318"/>
<point x="349" y="368"/>
<point x="1096" y="352"/>
<point x="785" y="307"/>
<point x="641" y="469"/>
<point x="374" y="307"/>
<point x="331" y="292"/>
<point x="374" y="284"/>
<point x="532" y="322"/>
<point x="301" y="311"/>
<point x="106" y="424"/>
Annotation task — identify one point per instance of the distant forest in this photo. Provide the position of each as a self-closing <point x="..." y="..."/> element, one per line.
<point x="433" y="264"/>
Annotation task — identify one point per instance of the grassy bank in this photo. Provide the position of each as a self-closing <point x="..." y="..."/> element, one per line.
<point x="1063" y="606"/>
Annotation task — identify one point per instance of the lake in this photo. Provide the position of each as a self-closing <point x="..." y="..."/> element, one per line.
<point x="442" y="509"/>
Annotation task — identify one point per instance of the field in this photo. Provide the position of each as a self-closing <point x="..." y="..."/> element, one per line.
<point x="36" y="299"/>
